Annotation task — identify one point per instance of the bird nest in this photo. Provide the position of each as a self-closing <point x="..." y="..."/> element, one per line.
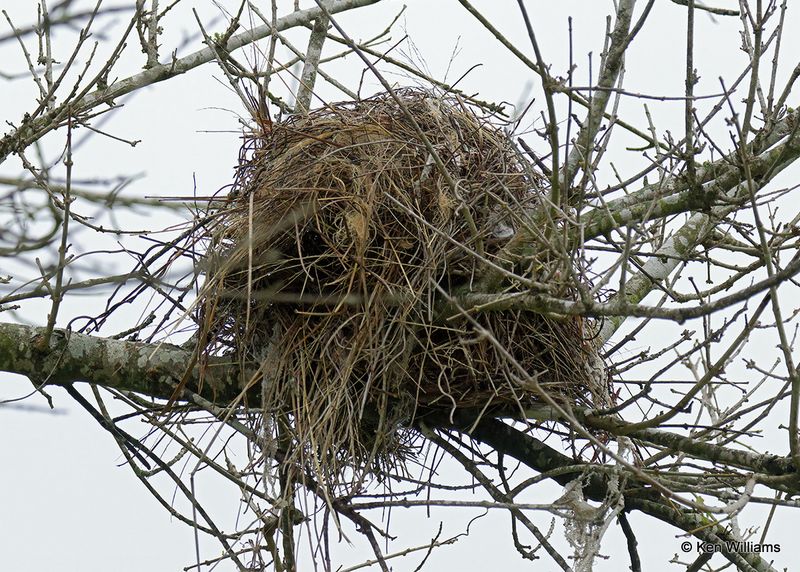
<point x="341" y="264"/>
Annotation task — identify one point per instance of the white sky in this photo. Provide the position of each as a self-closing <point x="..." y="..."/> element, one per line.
<point x="65" y="504"/>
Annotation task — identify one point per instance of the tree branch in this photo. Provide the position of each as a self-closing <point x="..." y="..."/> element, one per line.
<point x="150" y="369"/>
<point x="538" y="456"/>
<point x="30" y="130"/>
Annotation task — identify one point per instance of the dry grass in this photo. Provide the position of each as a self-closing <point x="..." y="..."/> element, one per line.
<point x="328" y="262"/>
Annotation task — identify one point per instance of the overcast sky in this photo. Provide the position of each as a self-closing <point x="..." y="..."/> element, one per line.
<point x="66" y="501"/>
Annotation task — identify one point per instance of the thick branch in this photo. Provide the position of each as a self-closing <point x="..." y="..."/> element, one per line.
<point x="614" y="60"/>
<point x="309" y="76"/>
<point x="620" y="308"/>
<point x="150" y="369"/>
<point x="538" y="456"/>
<point x="758" y="463"/>
<point x="675" y="195"/>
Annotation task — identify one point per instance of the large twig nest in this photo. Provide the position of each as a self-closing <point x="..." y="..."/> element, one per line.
<point x="338" y="259"/>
